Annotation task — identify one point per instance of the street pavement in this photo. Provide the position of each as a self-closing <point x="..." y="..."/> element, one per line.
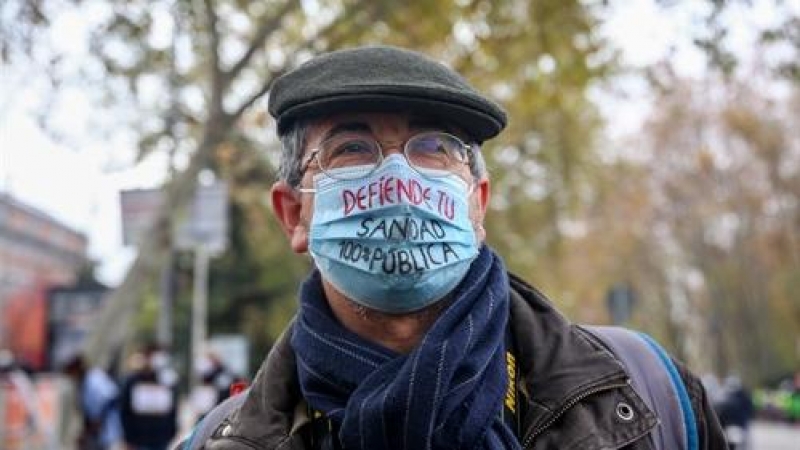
<point x="775" y="436"/>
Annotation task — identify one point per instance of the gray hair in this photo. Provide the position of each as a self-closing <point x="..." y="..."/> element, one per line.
<point x="293" y="143"/>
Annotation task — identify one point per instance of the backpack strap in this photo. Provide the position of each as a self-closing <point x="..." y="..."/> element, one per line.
<point x="206" y="427"/>
<point x="692" y="438"/>
<point x="656" y="379"/>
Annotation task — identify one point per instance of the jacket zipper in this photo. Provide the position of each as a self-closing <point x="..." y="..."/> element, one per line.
<point x="565" y="407"/>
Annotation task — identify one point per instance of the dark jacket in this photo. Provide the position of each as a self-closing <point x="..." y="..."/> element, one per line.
<point x="736" y="408"/>
<point x="570" y="389"/>
<point x="147" y="429"/>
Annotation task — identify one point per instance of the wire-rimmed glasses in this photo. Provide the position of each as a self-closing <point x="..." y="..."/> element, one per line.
<point x="434" y="153"/>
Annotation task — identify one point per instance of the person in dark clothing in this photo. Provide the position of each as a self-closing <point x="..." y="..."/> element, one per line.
<point x="411" y="334"/>
<point x="149" y="403"/>
<point x="736" y="410"/>
<point x="215" y="381"/>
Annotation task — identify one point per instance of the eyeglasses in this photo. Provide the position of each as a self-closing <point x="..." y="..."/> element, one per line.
<point x="435" y="153"/>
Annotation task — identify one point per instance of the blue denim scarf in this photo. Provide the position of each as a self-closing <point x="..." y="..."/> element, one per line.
<point x="446" y="394"/>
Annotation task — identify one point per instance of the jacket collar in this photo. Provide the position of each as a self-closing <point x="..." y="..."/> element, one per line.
<point x="558" y="364"/>
<point x="273" y="410"/>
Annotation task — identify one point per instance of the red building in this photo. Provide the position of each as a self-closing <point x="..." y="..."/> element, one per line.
<point x="37" y="253"/>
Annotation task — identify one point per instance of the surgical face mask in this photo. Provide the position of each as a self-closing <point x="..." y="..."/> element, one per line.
<point x="395" y="240"/>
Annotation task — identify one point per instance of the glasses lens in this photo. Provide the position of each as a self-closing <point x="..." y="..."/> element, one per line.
<point x="346" y="151"/>
<point x="439" y="151"/>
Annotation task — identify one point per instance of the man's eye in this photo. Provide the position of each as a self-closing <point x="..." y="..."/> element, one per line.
<point x="349" y="153"/>
<point x="352" y="147"/>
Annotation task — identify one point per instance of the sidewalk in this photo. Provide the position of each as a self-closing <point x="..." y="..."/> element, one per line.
<point x="775" y="436"/>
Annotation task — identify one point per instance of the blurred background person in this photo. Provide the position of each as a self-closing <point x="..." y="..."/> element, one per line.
<point x="214" y="384"/>
<point x="735" y="410"/>
<point x="16" y="382"/>
<point x="98" y="396"/>
<point x="149" y="402"/>
<point x="713" y="386"/>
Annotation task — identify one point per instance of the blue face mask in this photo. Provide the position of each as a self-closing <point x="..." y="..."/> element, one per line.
<point x="394" y="241"/>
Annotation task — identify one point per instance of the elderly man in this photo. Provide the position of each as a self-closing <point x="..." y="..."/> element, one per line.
<point x="410" y="332"/>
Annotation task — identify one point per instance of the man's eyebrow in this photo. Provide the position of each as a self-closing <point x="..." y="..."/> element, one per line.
<point x="345" y="127"/>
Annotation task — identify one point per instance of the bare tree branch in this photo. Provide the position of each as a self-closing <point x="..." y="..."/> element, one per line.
<point x="262" y="91"/>
<point x="307" y="45"/>
<point x="218" y="80"/>
<point x="267" y="27"/>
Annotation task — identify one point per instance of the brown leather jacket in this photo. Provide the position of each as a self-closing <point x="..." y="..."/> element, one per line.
<point x="569" y="388"/>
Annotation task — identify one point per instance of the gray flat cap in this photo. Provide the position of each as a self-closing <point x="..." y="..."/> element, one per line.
<point x="382" y="78"/>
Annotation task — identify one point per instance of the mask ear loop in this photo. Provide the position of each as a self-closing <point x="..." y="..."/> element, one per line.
<point x="471" y="188"/>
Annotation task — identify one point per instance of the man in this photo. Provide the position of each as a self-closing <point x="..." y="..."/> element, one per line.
<point x="410" y="333"/>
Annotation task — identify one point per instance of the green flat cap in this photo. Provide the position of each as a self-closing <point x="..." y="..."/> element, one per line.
<point x="382" y="78"/>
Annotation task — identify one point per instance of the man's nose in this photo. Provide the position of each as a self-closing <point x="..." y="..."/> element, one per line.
<point x="391" y="147"/>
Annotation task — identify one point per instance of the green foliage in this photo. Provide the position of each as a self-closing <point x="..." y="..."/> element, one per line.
<point x="541" y="65"/>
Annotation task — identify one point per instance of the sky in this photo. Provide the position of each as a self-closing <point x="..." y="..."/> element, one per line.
<point x="76" y="178"/>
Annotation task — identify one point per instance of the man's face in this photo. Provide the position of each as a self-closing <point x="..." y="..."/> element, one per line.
<point x="295" y="210"/>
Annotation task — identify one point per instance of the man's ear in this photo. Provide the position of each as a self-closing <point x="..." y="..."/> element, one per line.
<point x="483" y="189"/>
<point x="480" y="203"/>
<point x="287" y="204"/>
